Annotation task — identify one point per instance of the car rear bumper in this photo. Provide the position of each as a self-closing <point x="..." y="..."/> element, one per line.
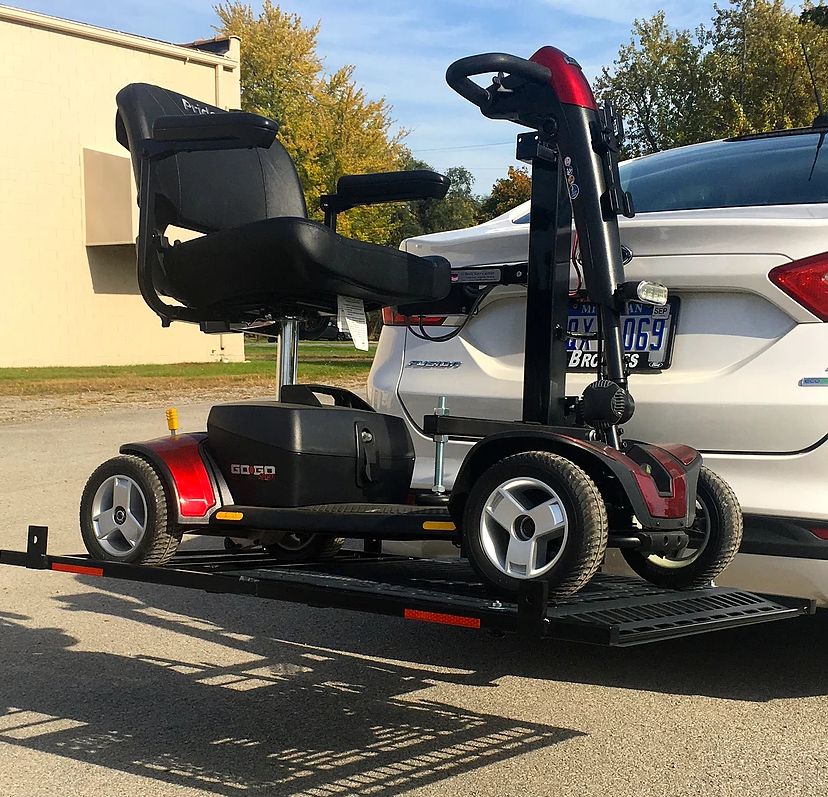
<point x="778" y="575"/>
<point x="793" y="486"/>
<point x="782" y="556"/>
<point x="772" y="575"/>
<point x="798" y="538"/>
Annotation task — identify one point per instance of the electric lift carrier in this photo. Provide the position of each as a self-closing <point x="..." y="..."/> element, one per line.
<point x="536" y="501"/>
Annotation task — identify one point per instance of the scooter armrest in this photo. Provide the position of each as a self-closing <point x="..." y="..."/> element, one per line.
<point x="370" y="189"/>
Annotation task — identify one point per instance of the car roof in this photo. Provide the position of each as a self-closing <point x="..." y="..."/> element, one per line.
<point x="767" y="140"/>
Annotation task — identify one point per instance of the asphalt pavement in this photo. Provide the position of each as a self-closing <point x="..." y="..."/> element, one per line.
<point x="111" y="687"/>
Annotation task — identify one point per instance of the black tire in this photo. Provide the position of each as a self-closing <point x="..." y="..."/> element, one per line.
<point x="716" y="507"/>
<point x="314" y="329"/>
<point x="304" y="547"/>
<point x="160" y="537"/>
<point x="581" y="550"/>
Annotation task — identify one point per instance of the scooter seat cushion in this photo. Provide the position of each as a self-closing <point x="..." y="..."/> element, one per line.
<point x="285" y="261"/>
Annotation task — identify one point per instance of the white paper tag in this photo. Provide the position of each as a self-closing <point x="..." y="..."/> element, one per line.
<point x="351" y="317"/>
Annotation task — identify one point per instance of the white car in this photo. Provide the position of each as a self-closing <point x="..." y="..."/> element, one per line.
<point x="738" y="232"/>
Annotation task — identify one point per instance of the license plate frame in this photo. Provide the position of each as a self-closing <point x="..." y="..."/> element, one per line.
<point x="635" y="365"/>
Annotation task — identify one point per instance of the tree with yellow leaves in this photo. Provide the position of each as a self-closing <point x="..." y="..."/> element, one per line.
<point x="507" y="193"/>
<point x="326" y="122"/>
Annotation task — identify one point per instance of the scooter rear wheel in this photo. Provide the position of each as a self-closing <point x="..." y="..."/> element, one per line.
<point x="714" y="540"/>
<point x="535" y="515"/>
<point x="304" y="547"/>
<point x="127" y="514"/>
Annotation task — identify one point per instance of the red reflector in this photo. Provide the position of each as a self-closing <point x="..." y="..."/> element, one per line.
<point x="391" y="318"/>
<point x="806" y="281"/>
<point x="81" y="570"/>
<point x="445" y="619"/>
<point x="819" y="531"/>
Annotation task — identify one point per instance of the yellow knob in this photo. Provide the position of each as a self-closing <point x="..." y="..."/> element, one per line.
<point x="172" y="420"/>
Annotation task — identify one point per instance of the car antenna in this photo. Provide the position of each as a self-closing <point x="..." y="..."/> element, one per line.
<point x="821" y="119"/>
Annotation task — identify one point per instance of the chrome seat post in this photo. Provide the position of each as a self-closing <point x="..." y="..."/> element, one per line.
<point x="287" y="355"/>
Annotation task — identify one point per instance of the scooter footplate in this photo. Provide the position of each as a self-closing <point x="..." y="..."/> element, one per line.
<point x="385" y="521"/>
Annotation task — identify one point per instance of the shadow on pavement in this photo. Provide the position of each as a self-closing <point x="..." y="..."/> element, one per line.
<point x="325" y="702"/>
<point x="296" y="721"/>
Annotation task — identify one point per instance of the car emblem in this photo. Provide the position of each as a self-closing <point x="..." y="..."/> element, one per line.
<point x="434" y="364"/>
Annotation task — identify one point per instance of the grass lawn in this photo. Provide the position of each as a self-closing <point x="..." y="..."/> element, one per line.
<point x="335" y="362"/>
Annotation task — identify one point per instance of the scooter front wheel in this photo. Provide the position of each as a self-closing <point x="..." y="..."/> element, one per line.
<point x="127" y="514"/>
<point x="714" y="540"/>
<point x="535" y="515"/>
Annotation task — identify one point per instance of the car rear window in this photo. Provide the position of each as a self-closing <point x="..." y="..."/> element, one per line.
<point x="774" y="170"/>
<point x="727" y="174"/>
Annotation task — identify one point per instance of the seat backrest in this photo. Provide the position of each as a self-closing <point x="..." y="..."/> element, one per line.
<point x="213" y="190"/>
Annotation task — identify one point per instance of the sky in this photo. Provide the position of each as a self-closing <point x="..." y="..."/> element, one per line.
<point x="401" y="49"/>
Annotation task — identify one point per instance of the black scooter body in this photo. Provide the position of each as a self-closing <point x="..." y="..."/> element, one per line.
<point x="285" y="455"/>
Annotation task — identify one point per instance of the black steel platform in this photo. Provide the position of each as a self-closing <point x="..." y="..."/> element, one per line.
<point x="611" y="610"/>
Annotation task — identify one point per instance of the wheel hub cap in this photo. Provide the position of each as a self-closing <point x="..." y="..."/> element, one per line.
<point x="524" y="528"/>
<point x="119" y="515"/>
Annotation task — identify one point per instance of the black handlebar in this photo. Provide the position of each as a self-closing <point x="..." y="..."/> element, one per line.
<point x="458" y="74"/>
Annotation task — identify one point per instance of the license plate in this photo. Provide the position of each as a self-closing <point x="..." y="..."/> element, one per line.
<point x="646" y="331"/>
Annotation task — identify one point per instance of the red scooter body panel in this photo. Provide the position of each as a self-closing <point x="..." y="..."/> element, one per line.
<point x="659" y="481"/>
<point x="568" y="81"/>
<point x="179" y="459"/>
<point x="674" y="459"/>
<point x="675" y="503"/>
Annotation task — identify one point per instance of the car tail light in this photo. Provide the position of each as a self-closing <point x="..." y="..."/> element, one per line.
<point x="820" y="532"/>
<point x="806" y="281"/>
<point x="391" y="318"/>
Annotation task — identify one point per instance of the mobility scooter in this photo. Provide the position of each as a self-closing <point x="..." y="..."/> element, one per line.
<point x="539" y="498"/>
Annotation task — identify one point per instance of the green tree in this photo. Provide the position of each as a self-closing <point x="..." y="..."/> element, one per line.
<point x="660" y="84"/>
<point x="756" y="54"/>
<point x="458" y="210"/>
<point x="743" y="72"/>
<point x="326" y="122"/>
<point x="818" y="15"/>
<point x="507" y="193"/>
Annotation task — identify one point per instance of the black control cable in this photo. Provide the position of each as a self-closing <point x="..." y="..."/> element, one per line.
<point x="423" y="335"/>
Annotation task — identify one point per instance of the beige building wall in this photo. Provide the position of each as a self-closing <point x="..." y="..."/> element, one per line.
<point x="67" y="198"/>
